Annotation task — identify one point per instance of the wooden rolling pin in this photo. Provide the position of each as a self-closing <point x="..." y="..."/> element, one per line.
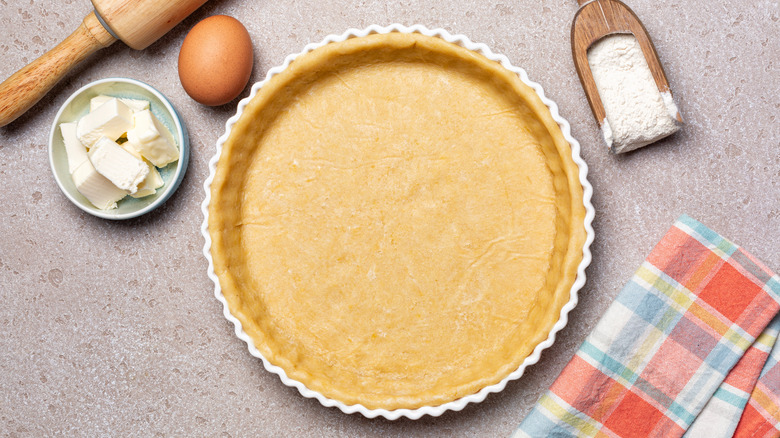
<point x="138" y="23"/>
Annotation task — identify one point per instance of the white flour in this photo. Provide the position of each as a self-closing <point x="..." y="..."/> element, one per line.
<point x="637" y="113"/>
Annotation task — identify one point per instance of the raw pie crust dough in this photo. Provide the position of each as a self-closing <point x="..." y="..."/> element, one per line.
<point x="396" y="221"/>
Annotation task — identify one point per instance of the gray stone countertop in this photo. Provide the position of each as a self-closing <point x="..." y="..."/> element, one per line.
<point x="111" y="328"/>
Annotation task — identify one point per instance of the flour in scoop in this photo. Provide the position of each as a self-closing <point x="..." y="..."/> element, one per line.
<point x="637" y="112"/>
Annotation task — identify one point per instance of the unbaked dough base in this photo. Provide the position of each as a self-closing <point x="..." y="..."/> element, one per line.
<point x="396" y="221"/>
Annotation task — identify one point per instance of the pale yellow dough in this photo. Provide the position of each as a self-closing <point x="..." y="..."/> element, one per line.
<point x="396" y="221"/>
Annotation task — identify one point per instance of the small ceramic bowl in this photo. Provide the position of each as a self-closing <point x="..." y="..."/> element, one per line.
<point x="77" y="106"/>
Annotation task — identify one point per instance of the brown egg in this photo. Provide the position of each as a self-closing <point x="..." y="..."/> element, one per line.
<point x="215" y="60"/>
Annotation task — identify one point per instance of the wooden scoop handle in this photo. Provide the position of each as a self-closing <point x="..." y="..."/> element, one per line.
<point x="27" y="86"/>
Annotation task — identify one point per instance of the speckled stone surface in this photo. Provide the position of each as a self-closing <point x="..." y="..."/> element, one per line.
<point x="111" y="328"/>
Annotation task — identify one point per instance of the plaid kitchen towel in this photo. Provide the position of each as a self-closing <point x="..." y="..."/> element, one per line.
<point x="761" y="418"/>
<point x="720" y="416"/>
<point x="667" y="343"/>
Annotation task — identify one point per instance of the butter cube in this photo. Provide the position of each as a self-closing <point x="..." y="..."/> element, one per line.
<point x="150" y="184"/>
<point x="96" y="188"/>
<point x="152" y="139"/>
<point x="119" y="166"/>
<point x="153" y="180"/>
<point x="111" y="119"/>
<point x="134" y="104"/>
<point x="129" y="146"/>
<point x="76" y="151"/>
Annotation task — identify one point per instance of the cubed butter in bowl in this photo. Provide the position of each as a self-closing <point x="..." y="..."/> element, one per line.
<point x="118" y="148"/>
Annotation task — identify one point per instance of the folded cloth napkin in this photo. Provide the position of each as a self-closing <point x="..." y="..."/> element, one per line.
<point x="762" y="413"/>
<point x="721" y="415"/>
<point x="690" y="329"/>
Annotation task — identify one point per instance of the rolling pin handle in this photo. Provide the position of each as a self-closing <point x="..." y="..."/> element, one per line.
<point x="27" y="86"/>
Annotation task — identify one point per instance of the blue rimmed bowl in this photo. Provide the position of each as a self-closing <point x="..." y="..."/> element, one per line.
<point x="77" y="106"/>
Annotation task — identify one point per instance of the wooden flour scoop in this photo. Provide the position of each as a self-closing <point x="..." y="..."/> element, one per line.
<point x="138" y="23"/>
<point x="597" y="19"/>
